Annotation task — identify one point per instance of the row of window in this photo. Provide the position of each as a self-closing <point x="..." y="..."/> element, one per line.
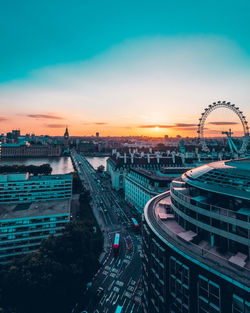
<point x="179" y="281"/>
<point x="213" y="222"/>
<point x="20" y="221"/>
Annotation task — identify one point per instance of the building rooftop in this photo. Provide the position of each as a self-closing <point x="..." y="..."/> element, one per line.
<point x="165" y="226"/>
<point x="25" y="176"/>
<point x="232" y="177"/>
<point x="120" y="161"/>
<point x="155" y="175"/>
<point x="34" y="209"/>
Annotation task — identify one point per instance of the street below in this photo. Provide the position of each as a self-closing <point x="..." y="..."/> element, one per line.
<point x="118" y="281"/>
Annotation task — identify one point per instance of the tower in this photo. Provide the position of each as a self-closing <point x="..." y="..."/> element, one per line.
<point x="66" y="138"/>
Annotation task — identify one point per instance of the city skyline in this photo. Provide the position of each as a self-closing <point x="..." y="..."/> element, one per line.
<point x="122" y="71"/>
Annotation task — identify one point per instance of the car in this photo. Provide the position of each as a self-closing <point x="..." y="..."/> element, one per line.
<point x="99" y="292"/>
<point x="137" y="299"/>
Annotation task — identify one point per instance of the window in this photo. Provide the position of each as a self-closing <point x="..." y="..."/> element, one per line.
<point x="179" y="285"/>
<point x="240" y="305"/>
<point x="209" y="296"/>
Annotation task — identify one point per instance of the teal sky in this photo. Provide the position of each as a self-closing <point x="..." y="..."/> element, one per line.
<point x="60" y="54"/>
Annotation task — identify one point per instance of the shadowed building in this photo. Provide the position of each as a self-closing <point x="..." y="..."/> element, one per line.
<point x="196" y="242"/>
<point x="140" y="184"/>
<point x="31" y="209"/>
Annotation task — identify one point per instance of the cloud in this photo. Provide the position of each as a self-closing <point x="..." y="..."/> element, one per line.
<point x="148" y="82"/>
<point x="55" y="125"/>
<point x="223" y="123"/>
<point x="95" y="123"/>
<point x="153" y="126"/>
<point x="176" y="125"/>
<point x="186" y="128"/>
<point x="184" y="125"/>
<point x="45" y="116"/>
<point x="3" y="119"/>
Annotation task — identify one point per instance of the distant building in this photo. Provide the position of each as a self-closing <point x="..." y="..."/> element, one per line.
<point x="20" y="188"/>
<point x="196" y="242"/>
<point x="97" y="135"/>
<point x="20" y="150"/>
<point x="24" y="226"/>
<point x="87" y="146"/>
<point x="140" y="185"/>
<point x="118" y="165"/>
<point x="32" y="208"/>
<point x="66" y="138"/>
<point x="66" y="150"/>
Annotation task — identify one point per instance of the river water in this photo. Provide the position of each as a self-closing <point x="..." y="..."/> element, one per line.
<point x="97" y="161"/>
<point x="60" y="165"/>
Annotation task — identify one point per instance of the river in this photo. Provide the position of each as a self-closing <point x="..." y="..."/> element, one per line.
<point x="60" y="165"/>
<point x="97" y="161"/>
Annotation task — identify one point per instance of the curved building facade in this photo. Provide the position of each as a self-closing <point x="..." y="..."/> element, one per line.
<point x="196" y="242"/>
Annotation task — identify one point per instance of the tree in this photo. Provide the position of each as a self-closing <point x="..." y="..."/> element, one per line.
<point x="53" y="278"/>
<point x="76" y="183"/>
<point x="45" y="169"/>
<point x="100" y="168"/>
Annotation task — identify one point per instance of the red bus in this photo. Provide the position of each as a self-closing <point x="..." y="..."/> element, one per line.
<point x="135" y="224"/>
<point x="116" y="244"/>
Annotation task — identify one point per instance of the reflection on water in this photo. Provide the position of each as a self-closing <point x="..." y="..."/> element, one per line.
<point x="60" y="165"/>
<point x="97" y="161"/>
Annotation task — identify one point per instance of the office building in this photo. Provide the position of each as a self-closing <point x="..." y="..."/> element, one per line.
<point x="140" y="184"/>
<point x="32" y="208"/>
<point x="119" y="165"/>
<point x="24" y="226"/>
<point x="196" y="242"/>
<point x="20" y="188"/>
<point x="22" y="149"/>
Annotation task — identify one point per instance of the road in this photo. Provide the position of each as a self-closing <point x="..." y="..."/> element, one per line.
<point x="120" y="274"/>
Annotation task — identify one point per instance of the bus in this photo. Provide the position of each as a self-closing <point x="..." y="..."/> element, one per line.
<point x="116" y="244"/>
<point x="135" y="224"/>
<point x="118" y="309"/>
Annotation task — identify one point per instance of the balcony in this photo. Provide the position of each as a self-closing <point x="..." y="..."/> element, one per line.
<point x="242" y="214"/>
<point x="200" y="252"/>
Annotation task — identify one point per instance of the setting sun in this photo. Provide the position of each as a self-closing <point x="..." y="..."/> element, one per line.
<point x="156" y="128"/>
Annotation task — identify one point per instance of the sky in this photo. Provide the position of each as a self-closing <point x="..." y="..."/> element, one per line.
<point x="122" y="67"/>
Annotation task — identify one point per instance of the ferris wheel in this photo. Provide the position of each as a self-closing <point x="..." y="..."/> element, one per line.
<point x="238" y="112"/>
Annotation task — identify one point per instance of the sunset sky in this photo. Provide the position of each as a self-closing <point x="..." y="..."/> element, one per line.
<point x="122" y="67"/>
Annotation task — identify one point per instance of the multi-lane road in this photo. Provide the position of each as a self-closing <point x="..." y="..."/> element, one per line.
<point x="120" y="274"/>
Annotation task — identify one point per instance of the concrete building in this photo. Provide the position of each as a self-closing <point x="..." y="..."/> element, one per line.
<point x="20" y="188"/>
<point x="140" y="184"/>
<point x="119" y="165"/>
<point x="24" y="226"/>
<point x="196" y="242"/>
<point x="20" y="150"/>
<point x="32" y="208"/>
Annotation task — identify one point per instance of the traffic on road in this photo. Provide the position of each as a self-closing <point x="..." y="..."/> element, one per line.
<point x="117" y="285"/>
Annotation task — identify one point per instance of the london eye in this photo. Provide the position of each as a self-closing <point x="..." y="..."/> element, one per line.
<point x="202" y="121"/>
